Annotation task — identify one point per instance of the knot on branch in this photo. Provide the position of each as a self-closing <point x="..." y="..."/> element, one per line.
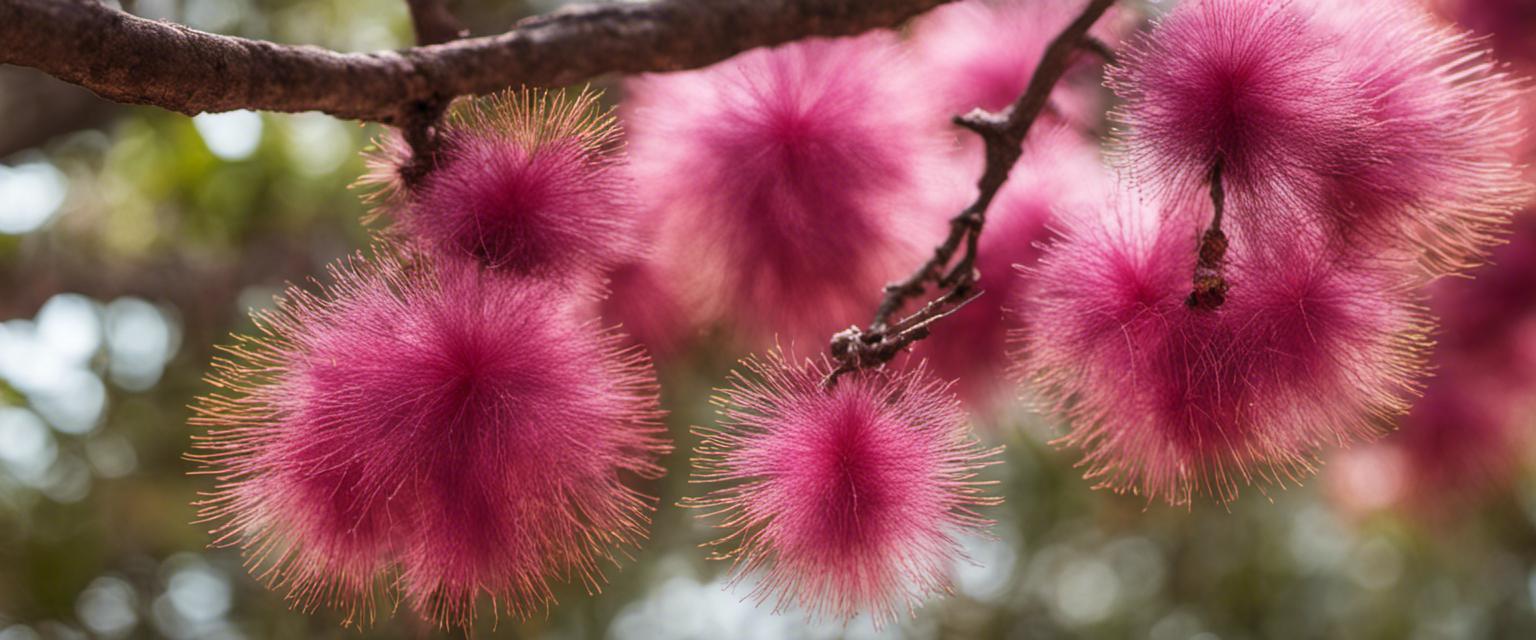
<point x="419" y="125"/>
<point x="1210" y="290"/>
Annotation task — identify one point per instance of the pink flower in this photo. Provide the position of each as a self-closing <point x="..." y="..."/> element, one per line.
<point x="1365" y="120"/>
<point x="1252" y="84"/>
<point x="457" y="431"/>
<point x="794" y="183"/>
<point x="841" y="501"/>
<point x="527" y="183"/>
<point x="1440" y="178"/>
<point x="1464" y="439"/>
<point x="1168" y="401"/>
<point x="1467" y="436"/>
<point x="1058" y="174"/>
<point x="982" y="54"/>
<point x="643" y="303"/>
<point x="1509" y="23"/>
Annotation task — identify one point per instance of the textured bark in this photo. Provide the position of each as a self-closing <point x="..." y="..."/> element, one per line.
<point x="129" y="59"/>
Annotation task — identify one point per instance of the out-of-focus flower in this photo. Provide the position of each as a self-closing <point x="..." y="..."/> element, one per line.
<point x="982" y="54"/>
<point x="793" y="182"/>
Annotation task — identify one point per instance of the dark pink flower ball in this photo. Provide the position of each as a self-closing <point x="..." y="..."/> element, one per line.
<point x="1440" y="181"/>
<point x="793" y="183"/>
<point x="431" y="426"/>
<point x="846" y="500"/>
<point x="528" y="183"/>
<point x="1254" y="85"/>
<point x="1168" y="401"/>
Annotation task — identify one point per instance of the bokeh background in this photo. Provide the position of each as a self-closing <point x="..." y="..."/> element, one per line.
<point x="133" y="240"/>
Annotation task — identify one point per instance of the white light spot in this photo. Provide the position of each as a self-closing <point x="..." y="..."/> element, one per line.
<point x="1087" y="592"/>
<point x="107" y="607"/>
<point x="139" y="342"/>
<point x="74" y="404"/>
<point x="69" y="326"/>
<point x="19" y="632"/>
<point x="986" y="576"/>
<point x="29" y="195"/>
<point x="317" y="144"/>
<point x="232" y="135"/>
<point x="199" y="593"/>
<point x="26" y="447"/>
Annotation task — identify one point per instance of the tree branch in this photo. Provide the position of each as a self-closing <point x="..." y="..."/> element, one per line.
<point x="129" y="59"/>
<point x="1003" y="134"/>
<point x="433" y="23"/>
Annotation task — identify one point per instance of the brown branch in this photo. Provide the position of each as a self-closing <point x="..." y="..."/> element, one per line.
<point x="129" y="59"/>
<point x="1003" y="134"/>
<point x="433" y="23"/>
<point x="1210" y="284"/>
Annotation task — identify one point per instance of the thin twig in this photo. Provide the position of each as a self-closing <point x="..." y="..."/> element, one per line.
<point x="1099" y="48"/>
<point x="1003" y="136"/>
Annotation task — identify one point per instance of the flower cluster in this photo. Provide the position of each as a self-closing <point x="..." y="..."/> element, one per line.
<point x="1351" y="151"/>
<point x="454" y="418"/>
<point x="448" y="420"/>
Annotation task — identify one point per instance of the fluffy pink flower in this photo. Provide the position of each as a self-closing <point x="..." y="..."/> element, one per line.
<point x="1467" y="436"/>
<point x="1253" y="84"/>
<point x="1509" y="24"/>
<point x="1445" y="121"/>
<point x="1169" y="401"/>
<point x="453" y="431"/>
<point x="841" y="501"/>
<point x="1390" y="133"/>
<point x="1464" y="438"/>
<point x="1058" y="174"/>
<point x="982" y="54"/>
<point x="794" y="182"/>
<point x="642" y="302"/>
<point x="528" y="183"/>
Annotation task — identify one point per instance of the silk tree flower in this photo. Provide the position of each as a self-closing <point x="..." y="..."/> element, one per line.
<point x="1467" y="436"/>
<point x="1445" y="121"/>
<point x="846" y="500"/>
<point x="1168" y="401"/>
<point x="1059" y="173"/>
<point x="529" y="183"/>
<point x="982" y="54"/>
<point x="429" y="425"/>
<point x="794" y="183"/>
<point x="644" y="304"/>
<point x="1508" y="23"/>
<point x="1253" y="85"/>
<point x="1391" y="133"/>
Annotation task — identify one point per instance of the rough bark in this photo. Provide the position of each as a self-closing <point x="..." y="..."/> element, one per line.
<point x="129" y="59"/>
